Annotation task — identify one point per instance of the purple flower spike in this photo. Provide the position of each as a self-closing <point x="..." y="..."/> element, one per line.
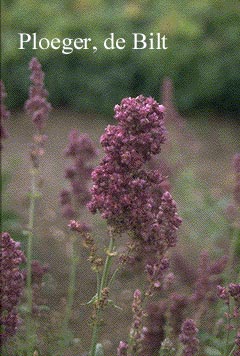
<point x="81" y="149"/>
<point x="12" y="284"/>
<point x="188" y="337"/>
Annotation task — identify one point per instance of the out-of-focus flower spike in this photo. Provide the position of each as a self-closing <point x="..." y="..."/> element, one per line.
<point x="37" y="105"/>
<point x="4" y="114"/>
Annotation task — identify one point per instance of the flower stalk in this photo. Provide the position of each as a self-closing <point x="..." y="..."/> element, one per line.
<point x="71" y="290"/>
<point x="100" y="302"/>
<point x="30" y="234"/>
<point x="37" y="107"/>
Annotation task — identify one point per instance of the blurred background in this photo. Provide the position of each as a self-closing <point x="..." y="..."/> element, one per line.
<point x="202" y="59"/>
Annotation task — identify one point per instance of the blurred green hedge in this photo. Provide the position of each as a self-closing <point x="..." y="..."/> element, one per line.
<point x="202" y="58"/>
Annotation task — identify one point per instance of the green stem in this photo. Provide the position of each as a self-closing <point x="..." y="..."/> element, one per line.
<point x="71" y="288"/>
<point x="233" y="349"/>
<point x="103" y="284"/>
<point x="228" y="329"/>
<point x="33" y="196"/>
<point x="113" y="276"/>
<point x="107" y="264"/>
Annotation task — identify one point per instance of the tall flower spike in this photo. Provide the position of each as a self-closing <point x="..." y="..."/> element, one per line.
<point x="37" y="105"/>
<point x="38" y="108"/>
<point x="12" y="284"/>
<point x="188" y="337"/>
<point x="4" y="114"/>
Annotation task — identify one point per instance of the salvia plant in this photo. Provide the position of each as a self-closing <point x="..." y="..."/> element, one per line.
<point x="130" y="191"/>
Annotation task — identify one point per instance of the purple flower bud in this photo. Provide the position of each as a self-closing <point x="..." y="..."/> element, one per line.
<point x="79" y="227"/>
<point x="122" y="349"/>
<point x="137" y="294"/>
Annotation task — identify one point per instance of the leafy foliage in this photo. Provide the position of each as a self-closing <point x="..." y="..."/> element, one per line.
<point x="202" y="55"/>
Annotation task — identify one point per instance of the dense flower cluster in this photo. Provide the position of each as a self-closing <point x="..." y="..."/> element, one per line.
<point x="81" y="149"/>
<point x="4" y="114"/>
<point x="12" y="284"/>
<point x="37" y="105"/>
<point x="188" y="337"/>
<point x="123" y="191"/>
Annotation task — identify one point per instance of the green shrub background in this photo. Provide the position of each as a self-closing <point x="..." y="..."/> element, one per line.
<point x="202" y="58"/>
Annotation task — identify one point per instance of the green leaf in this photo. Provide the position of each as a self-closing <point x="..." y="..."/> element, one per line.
<point x="91" y="301"/>
<point x="111" y="302"/>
